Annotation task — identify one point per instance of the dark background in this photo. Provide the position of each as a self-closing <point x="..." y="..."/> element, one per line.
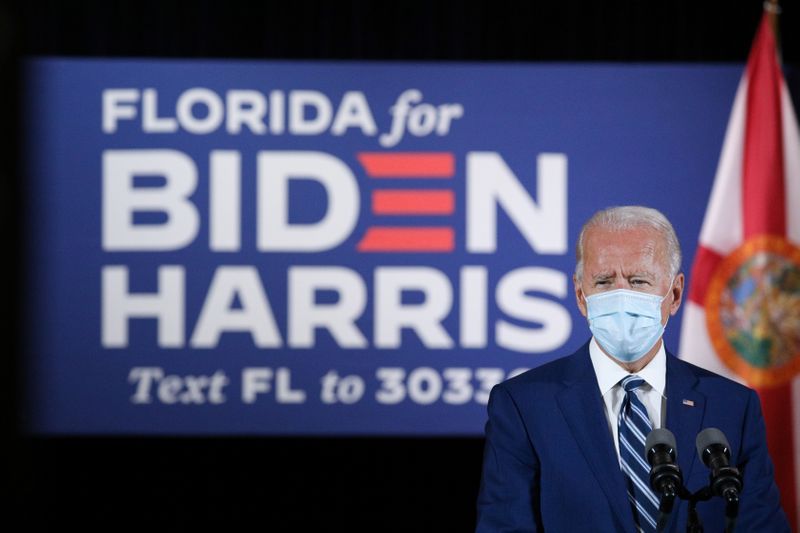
<point x="287" y="484"/>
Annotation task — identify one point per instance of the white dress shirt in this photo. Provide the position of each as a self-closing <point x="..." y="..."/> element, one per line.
<point x="651" y="393"/>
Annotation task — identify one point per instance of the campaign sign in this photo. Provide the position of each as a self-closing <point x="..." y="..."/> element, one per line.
<point x="318" y="248"/>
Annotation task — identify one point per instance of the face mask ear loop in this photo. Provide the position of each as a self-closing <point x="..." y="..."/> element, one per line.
<point x="670" y="287"/>
<point x="665" y="297"/>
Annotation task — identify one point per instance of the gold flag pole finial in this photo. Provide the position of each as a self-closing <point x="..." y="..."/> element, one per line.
<point x="773" y="9"/>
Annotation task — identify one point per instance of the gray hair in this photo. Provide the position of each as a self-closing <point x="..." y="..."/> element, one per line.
<point x="628" y="217"/>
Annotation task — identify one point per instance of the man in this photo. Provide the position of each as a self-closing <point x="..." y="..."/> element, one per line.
<point x="565" y="441"/>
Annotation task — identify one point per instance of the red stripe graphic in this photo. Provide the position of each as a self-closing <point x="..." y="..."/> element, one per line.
<point x="764" y="209"/>
<point x="394" y="239"/>
<point x="408" y="164"/>
<point x="413" y="202"/>
<point x="705" y="263"/>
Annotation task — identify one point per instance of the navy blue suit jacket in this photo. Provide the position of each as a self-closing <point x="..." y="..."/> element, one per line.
<point x="550" y="463"/>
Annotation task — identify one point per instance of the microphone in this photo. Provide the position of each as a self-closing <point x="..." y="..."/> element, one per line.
<point x="665" y="475"/>
<point x="726" y="480"/>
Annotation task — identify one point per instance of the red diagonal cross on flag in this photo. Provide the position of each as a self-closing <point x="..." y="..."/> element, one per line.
<point x="743" y="315"/>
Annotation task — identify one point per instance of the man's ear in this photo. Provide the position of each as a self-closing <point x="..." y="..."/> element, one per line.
<point x="677" y="293"/>
<point x="580" y="297"/>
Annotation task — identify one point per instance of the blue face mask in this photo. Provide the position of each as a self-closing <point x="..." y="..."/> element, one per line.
<point x="626" y="324"/>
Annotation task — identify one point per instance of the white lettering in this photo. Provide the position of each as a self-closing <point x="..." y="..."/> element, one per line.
<point x="166" y="305"/>
<point x="425" y="319"/>
<point x="345" y="389"/>
<point x="399" y="112"/>
<point x="339" y="318"/>
<point x="277" y="113"/>
<point x="275" y="171"/>
<point x="144" y="377"/>
<point x="201" y="111"/>
<point x="299" y="123"/>
<point x="473" y="307"/>
<point x="354" y="112"/>
<point x="424" y="385"/>
<point x="200" y="97"/>
<point x="514" y="300"/>
<point x="117" y="105"/>
<point x="245" y="108"/>
<point x="225" y="192"/>
<point x="174" y="389"/>
<point x="422" y="120"/>
<point x="255" y="381"/>
<point x="491" y="183"/>
<point x="459" y="387"/>
<point x="122" y="199"/>
<point x="151" y="122"/>
<point x="448" y="113"/>
<point x="218" y="316"/>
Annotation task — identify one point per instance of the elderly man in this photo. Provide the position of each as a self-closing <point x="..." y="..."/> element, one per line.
<point x="565" y="441"/>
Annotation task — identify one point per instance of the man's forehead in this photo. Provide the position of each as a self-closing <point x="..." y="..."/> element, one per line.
<point x="644" y="235"/>
<point x="640" y="244"/>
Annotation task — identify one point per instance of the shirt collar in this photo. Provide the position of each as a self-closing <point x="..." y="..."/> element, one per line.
<point x="610" y="373"/>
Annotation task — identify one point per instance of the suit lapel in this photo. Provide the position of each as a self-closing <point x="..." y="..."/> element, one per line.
<point x="582" y="407"/>
<point x="685" y="409"/>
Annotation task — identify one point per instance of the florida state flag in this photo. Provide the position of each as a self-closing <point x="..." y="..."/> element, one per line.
<point x="742" y="317"/>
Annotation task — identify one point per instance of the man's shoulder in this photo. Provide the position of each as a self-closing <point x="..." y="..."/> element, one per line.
<point x="546" y="378"/>
<point x="707" y="381"/>
<point x="550" y="375"/>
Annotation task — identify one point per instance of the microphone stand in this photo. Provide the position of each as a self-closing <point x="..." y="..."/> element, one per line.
<point x="693" y="522"/>
<point x="665" y="506"/>
<point x="731" y="510"/>
<point x="725" y="480"/>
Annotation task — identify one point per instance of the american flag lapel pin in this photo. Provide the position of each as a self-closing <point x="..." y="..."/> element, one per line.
<point x="690" y="403"/>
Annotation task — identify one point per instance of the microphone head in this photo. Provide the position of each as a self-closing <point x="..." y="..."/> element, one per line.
<point x="710" y="437"/>
<point x="661" y="436"/>
<point x="661" y="453"/>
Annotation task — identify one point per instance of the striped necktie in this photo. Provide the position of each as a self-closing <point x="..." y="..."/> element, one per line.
<point x="634" y="426"/>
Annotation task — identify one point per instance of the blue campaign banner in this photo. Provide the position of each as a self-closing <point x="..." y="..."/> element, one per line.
<point x="319" y="248"/>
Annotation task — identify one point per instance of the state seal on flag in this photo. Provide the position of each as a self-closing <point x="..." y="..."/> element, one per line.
<point x="753" y="310"/>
